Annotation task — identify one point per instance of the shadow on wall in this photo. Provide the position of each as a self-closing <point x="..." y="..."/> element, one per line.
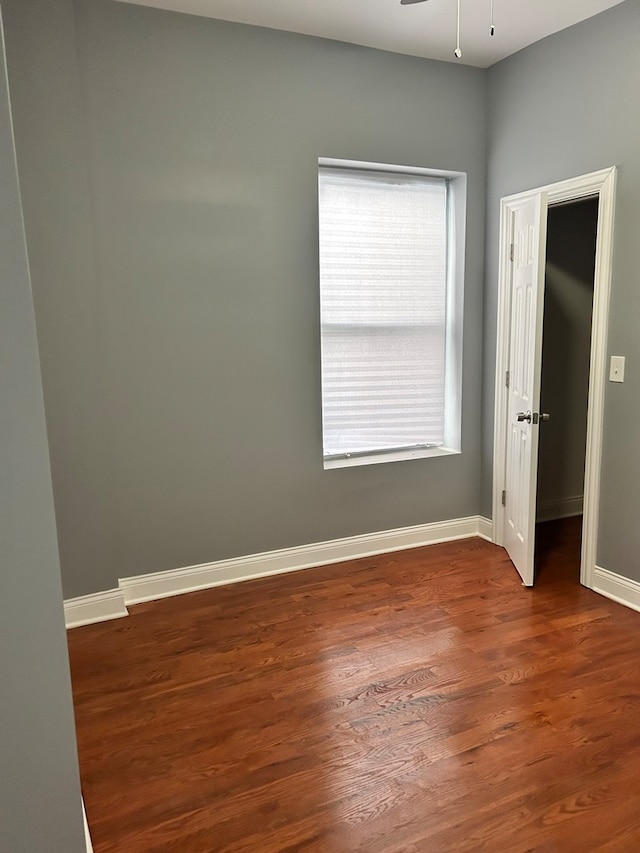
<point x="566" y="349"/>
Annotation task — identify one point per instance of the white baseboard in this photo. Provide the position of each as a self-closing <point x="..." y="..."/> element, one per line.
<point x="485" y="528"/>
<point x="563" y="508"/>
<point x="177" y="581"/>
<point x="112" y="604"/>
<point x="87" y="836"/>
<point x="623" y="590"/>
<point x="97" y="607"/>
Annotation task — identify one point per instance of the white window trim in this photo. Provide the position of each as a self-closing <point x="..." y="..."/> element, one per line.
<point x="456" y="225"/>
<point x="388" y="456"/>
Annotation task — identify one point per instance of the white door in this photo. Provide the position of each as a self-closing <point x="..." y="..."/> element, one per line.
<point x="529" y="222"/>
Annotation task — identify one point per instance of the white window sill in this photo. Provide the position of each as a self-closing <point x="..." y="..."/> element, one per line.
<point x="392" y="456"/>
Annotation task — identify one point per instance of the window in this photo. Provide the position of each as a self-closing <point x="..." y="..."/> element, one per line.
<point x="390" y="310"/>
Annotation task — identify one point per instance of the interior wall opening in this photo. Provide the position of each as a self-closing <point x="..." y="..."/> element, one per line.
<point x="568" y="310"/>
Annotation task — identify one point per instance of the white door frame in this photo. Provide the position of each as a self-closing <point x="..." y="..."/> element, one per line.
<point x="603" y="185"/>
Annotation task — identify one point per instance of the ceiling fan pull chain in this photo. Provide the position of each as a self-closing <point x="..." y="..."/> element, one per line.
<point x="458" y="51"/>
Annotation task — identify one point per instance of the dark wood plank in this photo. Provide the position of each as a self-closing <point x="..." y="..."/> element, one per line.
<point x="422" y="701"/>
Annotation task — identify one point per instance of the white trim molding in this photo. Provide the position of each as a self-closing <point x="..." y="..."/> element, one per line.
<point x="617" y="588"/>
<point x="112" y="604"/>
<point x="177" y="581"/>
<point x="97" y="607"/>
<point x="485" y="528"/>
<point x="87" y="835"/>
<point x="561" y="508"/>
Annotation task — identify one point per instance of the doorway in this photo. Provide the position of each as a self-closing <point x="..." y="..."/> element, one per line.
<point x="564" y="387"/>
<point x="527" y="214"/>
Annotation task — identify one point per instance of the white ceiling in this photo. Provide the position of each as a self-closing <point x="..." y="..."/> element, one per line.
<point x="426" y="29"/>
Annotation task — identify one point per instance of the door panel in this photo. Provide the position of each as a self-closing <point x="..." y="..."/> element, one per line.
<point x="525" y="361"/>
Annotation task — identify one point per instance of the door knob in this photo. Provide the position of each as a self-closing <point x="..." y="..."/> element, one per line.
<point x="524" y="416"/>
<point x="544" y="417"/>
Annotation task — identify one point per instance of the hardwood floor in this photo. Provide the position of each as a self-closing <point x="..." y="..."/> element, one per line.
<point x="417" y="702"/>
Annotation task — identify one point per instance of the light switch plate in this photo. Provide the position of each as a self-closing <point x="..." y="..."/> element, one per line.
<point x="616" y="372"/>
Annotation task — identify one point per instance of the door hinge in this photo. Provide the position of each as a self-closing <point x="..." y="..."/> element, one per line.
<point x="504" y="497"/>
<point x="506" y="381"/>
<point x="511" y="253"/>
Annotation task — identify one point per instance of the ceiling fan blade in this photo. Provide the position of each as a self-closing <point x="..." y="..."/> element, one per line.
<point x="409" y="2"/>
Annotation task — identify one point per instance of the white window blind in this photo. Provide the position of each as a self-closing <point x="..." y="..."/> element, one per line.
<point x="383" y="282"/>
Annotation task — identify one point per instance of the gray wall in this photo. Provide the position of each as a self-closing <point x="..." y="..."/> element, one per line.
<point x="180" y="341"/>
<point x="564" y="107"/>
<point x="168" y="167"/>
<point x="55" y="183"/>
<point x="568" y="301"/>
<point x="39" y="788"/>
